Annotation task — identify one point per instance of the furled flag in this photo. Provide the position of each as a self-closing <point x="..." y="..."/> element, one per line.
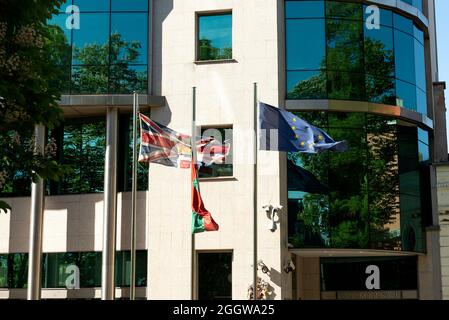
<point x="160" y="144"/>
<point x="201" y="218"/>
<point x="280" y="130"/>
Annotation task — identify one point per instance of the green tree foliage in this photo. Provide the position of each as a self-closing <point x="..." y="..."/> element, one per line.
<point x="28" y="88"/>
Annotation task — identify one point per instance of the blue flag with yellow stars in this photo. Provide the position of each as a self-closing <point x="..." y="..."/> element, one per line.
<point x="280" y="130"/>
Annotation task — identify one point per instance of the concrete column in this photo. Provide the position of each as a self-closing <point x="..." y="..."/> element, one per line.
<point x="110" y="206"/>
<point x="36" y="225"/>
<point x="440" y="129"/>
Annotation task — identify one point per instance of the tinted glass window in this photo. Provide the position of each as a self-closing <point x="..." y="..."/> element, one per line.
<point x="306" y="85"/>
<point x="366" y="197"/>
<point x="84" y="150"/>
<point x="129" y="5"/>
<point x="304" y="9"/>
<point x="92" y="6"/>
<point x="108" y="53"/>
<point x="349" y="274"/>
<point x="362" y="62"/>
<point x="215" y="37"/>
<point x="300" y="57"/>
<point x="223" y="135"/>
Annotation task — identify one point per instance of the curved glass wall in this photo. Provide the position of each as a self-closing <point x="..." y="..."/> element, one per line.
<point x="106" y="46"/>
<point x="369" y="197"/>
<point x="335" y="50"/>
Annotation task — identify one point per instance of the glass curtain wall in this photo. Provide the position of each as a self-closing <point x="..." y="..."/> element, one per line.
<point x="106" y="46"/>
<point x="333" y="51"/>
<point x="368" y="197"/>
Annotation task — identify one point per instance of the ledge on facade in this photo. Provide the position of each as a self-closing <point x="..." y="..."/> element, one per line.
<point x="217" y="179"/>
<point x="200" y="62"/>
<point x="358" y="106"/>
<point x="406" y="8"/>
<point x="335" y="253"/>
<point x="88" y="105"/>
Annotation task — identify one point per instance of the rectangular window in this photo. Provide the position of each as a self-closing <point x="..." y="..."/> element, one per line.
<point x="108" y="53"/>
<point x="223" y="135"/>
<point x="214" y="39"/>
<point x="215" y="276"/>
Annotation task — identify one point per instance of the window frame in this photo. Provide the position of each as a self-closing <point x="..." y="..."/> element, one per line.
<point x="224" y="127"/>
<point x="220" y="12"/>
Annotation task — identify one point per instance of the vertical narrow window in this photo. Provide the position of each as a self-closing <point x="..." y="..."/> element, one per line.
<point x="224" y="169"/>
<point x="214" y="36"/>
<point x="215" y="276"/>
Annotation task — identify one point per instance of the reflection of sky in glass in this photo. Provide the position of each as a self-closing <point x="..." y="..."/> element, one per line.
<point x="313" y="57"/>
<point x="218" y="29"/>
<point x="304" y="9"/>
<point x="89" y="5"/>
<point x="94" y="30"/>
<point x="132" y="27"/>
<point x="129" y="5"/>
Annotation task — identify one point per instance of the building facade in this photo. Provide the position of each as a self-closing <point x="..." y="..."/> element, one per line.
<point x="366" y="228"/>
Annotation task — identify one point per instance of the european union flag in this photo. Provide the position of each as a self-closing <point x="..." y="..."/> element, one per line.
<point x="280" y="130"/>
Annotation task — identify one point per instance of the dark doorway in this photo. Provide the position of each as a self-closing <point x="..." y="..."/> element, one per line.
<point x="215" y="276"/>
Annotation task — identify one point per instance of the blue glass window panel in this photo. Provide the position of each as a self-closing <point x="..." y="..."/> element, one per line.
<point x="402" y="23"/>
<point x="405" y="95"/>
<point x="129" y="5"/>
<point x="306" y="85"/>
<point x="218" y="30"/>
<point x="419" y="34"/>
<point x="133" y="28"/>
<point x="60" y="21"/>
<point x="92" y="6"/>
<point x="304" y="9"/>
<point x="310" y="56"/>
<point x="93" y="36"/>
<point x="423" y="136"/>
<point x="418" y="4"/>
<point x="404" y="58"/>
<point x="421" y="101"/>
<point x="386" y="16"/>
<point x="379" y="52"/>
<point x="420" y="66"/>
<point x="424" y="152"/>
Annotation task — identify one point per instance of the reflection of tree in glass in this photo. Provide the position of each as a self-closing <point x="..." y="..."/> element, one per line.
<point x="84" y="147"/>
<point x="93" y="75"/>
<point x="342" y="75"/>
<point x="363" y="206"/>
<point x="209" y="52"/>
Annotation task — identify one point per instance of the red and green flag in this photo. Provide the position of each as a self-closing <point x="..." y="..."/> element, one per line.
<point x="201" y="218"/>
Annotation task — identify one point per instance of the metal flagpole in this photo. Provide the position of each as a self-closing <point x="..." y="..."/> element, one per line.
<point x="132" y="293"/>
<point x="194" y="157"/>
<point x="255" y="196"/>
<point x="36" y="225"/>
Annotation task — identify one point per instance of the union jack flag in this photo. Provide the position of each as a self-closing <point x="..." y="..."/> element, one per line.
<point x="162" y="145"/>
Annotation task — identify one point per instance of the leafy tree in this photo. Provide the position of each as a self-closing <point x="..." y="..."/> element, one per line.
<point x="28" y="94"/>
